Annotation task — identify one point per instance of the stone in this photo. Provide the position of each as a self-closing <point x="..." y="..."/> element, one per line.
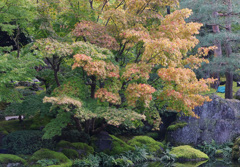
<point x="219" y="121"/>
<point x="237" y="95"/>
<point x="103" y="142"/>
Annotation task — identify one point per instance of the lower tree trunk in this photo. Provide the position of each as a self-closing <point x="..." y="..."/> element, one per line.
<point x="56" y="78"/>
<point x="229" y="85"/>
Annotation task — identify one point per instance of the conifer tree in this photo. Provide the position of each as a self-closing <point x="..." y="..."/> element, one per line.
<point x="218" y="16"/>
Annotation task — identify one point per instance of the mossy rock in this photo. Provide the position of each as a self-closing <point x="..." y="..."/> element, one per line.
<point x="70" y="153"/>
<point x="49" y="154"/>
<point x="118" y="146"/>
<point x="83" y="149"/>
<point x="236" y="150"/>
<point x="152" y="145"/>
<point x="9" y="158"/>
<point x="176" y="126"/>
<point x="187" y="153"/>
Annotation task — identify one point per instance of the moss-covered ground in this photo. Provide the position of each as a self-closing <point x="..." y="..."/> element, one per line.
<point x="222" y="95"/>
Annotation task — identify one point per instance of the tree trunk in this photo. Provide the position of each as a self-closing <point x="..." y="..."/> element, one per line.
<point x="56" y="77"/>
<point x="93" y="86"/>
<point x="229" y="85"/>
<point x="228" y="48"/>
<point x="217" y="52"/>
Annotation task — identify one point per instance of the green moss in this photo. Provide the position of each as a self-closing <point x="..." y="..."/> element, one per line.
<point x="70" y="153"/>
<point x="49" y="154"/>
<point x="9" y="158"/>
<point x="119" y="146"/>
<point x="187" y="153"/>
<point x="151" y="144"/>
<point x="64" y="144"/>
<point x="176" y="126"/>
<point x="79" y="147"/>
<point x="83" y="146"/>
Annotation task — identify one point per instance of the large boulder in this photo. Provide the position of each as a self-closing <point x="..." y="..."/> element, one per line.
<point x="219" y="121"/>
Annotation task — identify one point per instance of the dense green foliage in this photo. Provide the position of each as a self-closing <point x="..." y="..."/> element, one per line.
<point x="26" y="142"/>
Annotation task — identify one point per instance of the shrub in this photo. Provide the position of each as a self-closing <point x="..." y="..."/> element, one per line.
<point x="152" y="145"/>
<point x="42" y="154"/>
<point x="25" y="142"/>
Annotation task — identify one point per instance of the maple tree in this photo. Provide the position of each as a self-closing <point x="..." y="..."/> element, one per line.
<point x="129" y="57"/>
<point x="162" y="47"/>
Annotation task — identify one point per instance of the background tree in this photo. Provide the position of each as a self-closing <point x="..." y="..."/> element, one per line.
<point x="220" y="15"/>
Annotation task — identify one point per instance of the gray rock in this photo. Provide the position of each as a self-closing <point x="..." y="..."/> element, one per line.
<point x="237" y="94"/>
<point x="219" y="121"/>
<point x="103" y="142"/>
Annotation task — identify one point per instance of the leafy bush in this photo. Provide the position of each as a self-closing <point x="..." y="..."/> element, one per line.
<point x="48" y="162"/>
<point x="213" y="149"/>
<point x="90" y="161"/>
<point x="26" y="142"/>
